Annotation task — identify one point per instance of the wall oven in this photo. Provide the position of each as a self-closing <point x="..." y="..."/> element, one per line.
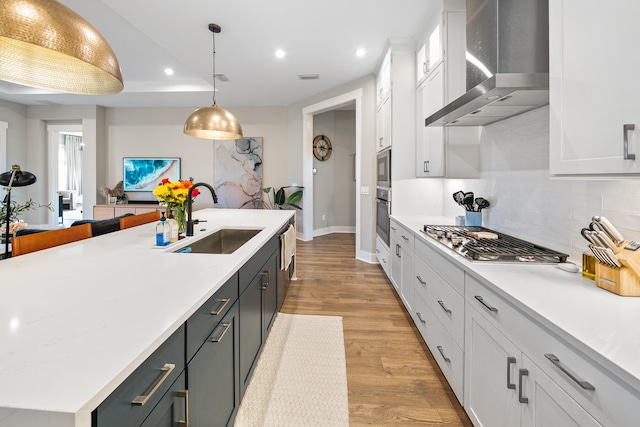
<point x="383" y="210"/>
<point x="383" y="167"/>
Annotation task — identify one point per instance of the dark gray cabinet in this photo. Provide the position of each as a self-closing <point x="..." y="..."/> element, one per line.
<point x="172" y="408"/>
<point x="213" y="375"/>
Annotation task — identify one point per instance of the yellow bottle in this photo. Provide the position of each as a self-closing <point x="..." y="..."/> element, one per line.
<point x="589" y="265"/>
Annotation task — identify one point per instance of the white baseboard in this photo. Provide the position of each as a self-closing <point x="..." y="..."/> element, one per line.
<point x="334" y="229"/>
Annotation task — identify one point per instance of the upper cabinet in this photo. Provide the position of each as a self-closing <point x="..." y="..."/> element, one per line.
<point x="594" y="96"/>
<point x="383" y="79"/>
<point x="440" y="66"/>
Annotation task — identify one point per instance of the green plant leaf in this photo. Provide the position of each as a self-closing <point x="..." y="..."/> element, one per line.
<point x="279" y="197"/>
<point x="294" y="197"/>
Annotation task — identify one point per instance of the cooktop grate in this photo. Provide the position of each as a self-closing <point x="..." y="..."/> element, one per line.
<point x="503" y="249"/>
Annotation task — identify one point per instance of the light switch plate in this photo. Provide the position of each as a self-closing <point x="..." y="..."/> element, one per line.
<point x="364" y="190"/>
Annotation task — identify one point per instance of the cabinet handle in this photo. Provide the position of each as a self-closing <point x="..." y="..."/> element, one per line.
<point x="166" y="371"/>
<point x="446" y="359"/>
<point x="393" y="228"/>
<point x="223" y="303"/>
<point x="510" y="361"/>
<point x="446" y="310"/>
<point x="398" y="247"/>
<point x="420" y="317"/>
<point x="406" y="239"/>
<point x="384" y="260"/>
<point x="184" y="394"/>
<point x="425" y="67"/>
<point x="380" y="142"/>
<point x="554" y="359"/>
<point x="219" y="337"/>
<point x="487" y="306"/>
<point x="425" y="167"/>
<point x="377" y="251"/>
<point x="265" y="274"/>
<point x="422" y="282"/>
<point x="626" y="130"/>
<point x="522" y="373"/>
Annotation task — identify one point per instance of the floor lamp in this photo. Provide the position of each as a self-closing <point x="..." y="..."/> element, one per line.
<point x="14" y="178"/>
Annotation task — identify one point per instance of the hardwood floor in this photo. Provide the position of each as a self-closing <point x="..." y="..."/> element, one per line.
<point x="391" y="374"/>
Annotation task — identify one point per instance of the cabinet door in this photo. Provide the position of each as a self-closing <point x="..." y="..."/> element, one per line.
<point x="594" y="89"/>
<point x="213" y="375"/>
<point x="407" y="288"/>
<point x="383" y="124"/>
<point x="545" y="404"/>
<point x="396" y="264"/>
<point x="250" y="330"/>
<point x="171" y="410"/>
<point x="269" y="276"/>
<point x="430" y="145"/>
<point x="491" y="373"/>
<point x="103" y="212"/>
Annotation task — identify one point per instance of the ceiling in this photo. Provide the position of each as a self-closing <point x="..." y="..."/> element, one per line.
<point x="319" y="37"/>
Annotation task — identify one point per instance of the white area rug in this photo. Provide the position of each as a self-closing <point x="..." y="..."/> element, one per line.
<point x="301" y="377"/>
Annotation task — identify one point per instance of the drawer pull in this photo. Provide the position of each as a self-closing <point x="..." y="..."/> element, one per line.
<point x="219" y="337"/>
<point x="487" y="306"/>
<point x="223" y="303"/>
<point x="406" y="239"/>
<point x="446" y="359"/>
<point x="444" y="307"/>
<point x="264" y="286"/>
<point x="422" y="282"/>
<point x="510" y="361"/>
<point x="393" y="228"/>
<point x="522" y="373"/>
<point x="384" y="260"/>
<point x="184" y="394"/>
<point x="584" y="384"/>
<point x="626" y="154"/>
<point x="420" y="317"/>
<point x="166" y="371"/>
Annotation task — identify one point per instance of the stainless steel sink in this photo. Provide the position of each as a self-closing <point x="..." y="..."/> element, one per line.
<point x="224" y="241"/>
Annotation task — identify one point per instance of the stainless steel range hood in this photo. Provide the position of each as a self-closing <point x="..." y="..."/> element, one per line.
<point x="507" y="63"/>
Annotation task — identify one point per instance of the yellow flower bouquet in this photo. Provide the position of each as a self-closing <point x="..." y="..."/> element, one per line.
<point x="174" y="195"/>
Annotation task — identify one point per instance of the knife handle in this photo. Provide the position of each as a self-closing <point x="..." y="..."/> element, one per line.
<point x="608" y="243"/>
<point x="610" y="229"/>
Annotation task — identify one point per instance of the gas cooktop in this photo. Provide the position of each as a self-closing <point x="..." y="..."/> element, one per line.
<point x="496" y="247"/>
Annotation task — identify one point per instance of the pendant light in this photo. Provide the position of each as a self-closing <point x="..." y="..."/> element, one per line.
<point x="213" y="122"/>
<point x="45" y="44"/>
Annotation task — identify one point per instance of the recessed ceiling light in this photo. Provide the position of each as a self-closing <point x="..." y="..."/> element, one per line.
<point x="168" y="71"/>
<point x="360" y="53"/>
<point x="280" y="53"/>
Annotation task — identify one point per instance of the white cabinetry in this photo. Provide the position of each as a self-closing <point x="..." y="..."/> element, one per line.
<point x="402" y="264"/>
<point x="384" y="256"/>
<point x="383" y="124"/>
<point x="451" y="151"/>
<point x="594" y="96"/>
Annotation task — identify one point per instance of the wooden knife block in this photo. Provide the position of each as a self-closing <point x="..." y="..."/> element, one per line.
<point x="624" y="281"/>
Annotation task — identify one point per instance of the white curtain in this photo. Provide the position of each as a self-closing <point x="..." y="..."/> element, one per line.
<point x="70" y="172"/>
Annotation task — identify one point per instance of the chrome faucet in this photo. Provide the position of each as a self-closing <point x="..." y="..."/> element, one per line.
<point x="190" y="204"/>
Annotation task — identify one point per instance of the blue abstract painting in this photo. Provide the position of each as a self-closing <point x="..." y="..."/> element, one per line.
<point x="145" y="173"/>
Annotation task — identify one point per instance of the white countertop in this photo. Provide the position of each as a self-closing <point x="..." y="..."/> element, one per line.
<point x="77" y="319"/>
<point x="602" y="325"/>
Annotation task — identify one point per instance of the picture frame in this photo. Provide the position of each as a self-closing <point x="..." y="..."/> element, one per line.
<point x="143" y="174"/>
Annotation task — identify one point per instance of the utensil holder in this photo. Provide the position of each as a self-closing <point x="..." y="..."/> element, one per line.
<point x="624" y="281"/>
<point x="473" y="219"/>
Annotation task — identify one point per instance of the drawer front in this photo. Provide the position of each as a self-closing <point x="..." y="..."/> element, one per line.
<point x="445" y="303"/>
<point x="203" y="322"/>
<point x="252" y="267"/>
<point x="610" y="403"/>
<point x="452" y="274"/>
<point x="444" y="349"/>
<point x="404" y="236"/>
<point x="145" y="386"/>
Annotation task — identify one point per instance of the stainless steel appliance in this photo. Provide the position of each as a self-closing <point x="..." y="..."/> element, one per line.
<point x="504" y="248"/>
<point x="507" y="63"/>
<point x="383" y="168"/>
<point x="383" y="210"/>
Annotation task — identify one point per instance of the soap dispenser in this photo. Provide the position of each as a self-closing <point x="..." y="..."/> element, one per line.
<point x="173" y="227"/>
<point x="163" y="232"/>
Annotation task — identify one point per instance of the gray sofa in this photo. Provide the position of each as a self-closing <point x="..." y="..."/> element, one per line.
<point x="68" y="199"/>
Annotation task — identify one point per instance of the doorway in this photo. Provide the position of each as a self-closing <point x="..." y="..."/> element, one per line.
<point x="65" y="175"/>
<point x="307" y="160"/>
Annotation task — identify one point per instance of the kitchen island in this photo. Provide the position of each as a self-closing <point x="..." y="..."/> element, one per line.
<point x="79" y="319"/>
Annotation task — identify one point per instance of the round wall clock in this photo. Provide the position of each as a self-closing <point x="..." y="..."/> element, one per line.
<point x="321" y="147"/>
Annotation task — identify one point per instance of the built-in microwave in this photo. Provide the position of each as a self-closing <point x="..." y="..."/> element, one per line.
<point x="383" y="166"/>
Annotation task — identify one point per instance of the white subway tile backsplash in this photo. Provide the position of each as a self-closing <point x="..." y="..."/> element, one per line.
<point x="529" y="203"/>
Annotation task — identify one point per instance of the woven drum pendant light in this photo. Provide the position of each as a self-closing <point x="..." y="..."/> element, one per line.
<point x="45" y="44"/>
<point x="213" y="122"/>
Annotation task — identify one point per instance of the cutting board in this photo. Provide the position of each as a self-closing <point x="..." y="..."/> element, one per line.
<point x="482" y="235"/>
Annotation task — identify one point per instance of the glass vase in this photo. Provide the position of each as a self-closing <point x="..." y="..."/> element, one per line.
<point x="180" y="215"/>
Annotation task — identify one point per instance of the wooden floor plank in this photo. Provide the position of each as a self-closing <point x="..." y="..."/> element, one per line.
<point x="391" y="374"/>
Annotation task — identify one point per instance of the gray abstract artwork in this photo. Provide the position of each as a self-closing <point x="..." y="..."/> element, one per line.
<point x="238" y="169"/>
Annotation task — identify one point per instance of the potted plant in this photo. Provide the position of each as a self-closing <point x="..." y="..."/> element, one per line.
<point x="277" y="199"/>
<point x="16" y="210"/>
